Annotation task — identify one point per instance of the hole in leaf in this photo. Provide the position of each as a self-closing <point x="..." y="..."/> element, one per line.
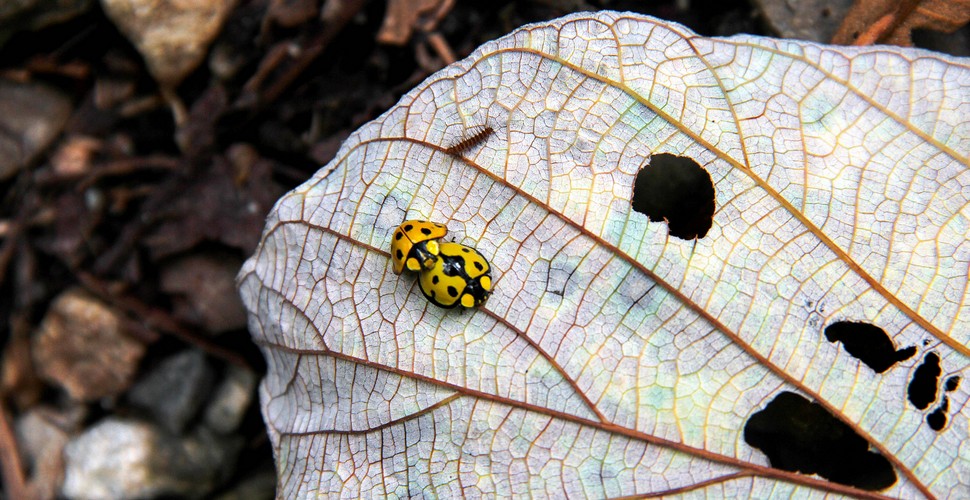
<point x="868" y="343"/>
<point x="801" y="436"/>
<point x="922" y="388"/>
<point x="952" y="383"/>
<point x="678" y="190"/>
<point x="937" y="419"/>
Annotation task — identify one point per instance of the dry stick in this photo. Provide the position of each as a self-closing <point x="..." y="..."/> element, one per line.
<point x="10" y="240"/>
<point x="434" y="37"/>
<point x="347" y="10"/>
<point x="441" y="47"/>
<point x="11" y="469"/>
<point x="127" y="166"/>
<point x="887" y="24"/>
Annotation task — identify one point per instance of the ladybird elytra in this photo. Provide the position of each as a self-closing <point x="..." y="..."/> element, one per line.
<point x="415" y="246"/>
<point x="459" y="276"/>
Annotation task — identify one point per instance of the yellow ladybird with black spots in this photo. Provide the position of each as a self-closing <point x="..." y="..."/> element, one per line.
<point x="460" y="276"/>
<point x="414" y="245"/>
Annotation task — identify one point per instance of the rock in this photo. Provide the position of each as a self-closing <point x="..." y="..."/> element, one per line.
<point x="171" y="35"/>
<point x="82" y="347"/>
<point x="174" y="391"/>
<point x="42" y="434"/>
<point x="130" y="459"/>
<point x="204" y="289"/>
<point x="31" y="117"/>
<point x="814" y="20"/>
<point x="231" y="400"/>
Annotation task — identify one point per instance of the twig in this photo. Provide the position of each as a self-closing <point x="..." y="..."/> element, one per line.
<point x="345" y="10"/>
<point x="14" y="482"/>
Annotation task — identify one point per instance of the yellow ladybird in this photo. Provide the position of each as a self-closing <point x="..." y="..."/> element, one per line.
<point x="414" y="245"/>
<point x="460" y="275"/>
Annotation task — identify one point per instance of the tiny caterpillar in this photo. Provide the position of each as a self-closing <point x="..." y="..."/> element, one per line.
<point x="479" y="135"/>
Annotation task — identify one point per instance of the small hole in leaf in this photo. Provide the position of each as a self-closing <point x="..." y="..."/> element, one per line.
<point x="801" y="436"/>
<point x="922" y="387"/>
<point x="678" y="190"/>
<point x="952" y="383"/>
<point x="937" y="419"/>
<point x="868" y="343"/>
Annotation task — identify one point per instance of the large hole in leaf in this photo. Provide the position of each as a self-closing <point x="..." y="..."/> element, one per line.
<point x="678" y="190"/>
<point x="925" y="382"/>
<point x="801" y="436"/>
<point x="868" y="343"/>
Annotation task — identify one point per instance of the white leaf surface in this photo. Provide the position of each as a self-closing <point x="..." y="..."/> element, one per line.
<point x="613" y="359"/>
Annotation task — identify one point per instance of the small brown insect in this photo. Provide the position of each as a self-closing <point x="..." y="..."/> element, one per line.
<point x="478" y="135"/>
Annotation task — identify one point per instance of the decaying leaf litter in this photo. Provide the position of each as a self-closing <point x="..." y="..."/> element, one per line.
<point x="144" y="194"/>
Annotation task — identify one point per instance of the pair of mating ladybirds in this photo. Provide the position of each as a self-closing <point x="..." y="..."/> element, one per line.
<point x="449" y="273"/>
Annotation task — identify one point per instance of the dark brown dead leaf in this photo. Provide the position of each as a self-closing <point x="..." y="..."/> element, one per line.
<point x="204" y="291"/>
<point x="31" y="116"/>
<point x="893" y="21"/>
<point x="404" y="16"/>
<point x="291" y="13"/>
<point x="226" y="203"/>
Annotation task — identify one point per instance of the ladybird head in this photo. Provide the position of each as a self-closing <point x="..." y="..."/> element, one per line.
<point x="414" y="245"/>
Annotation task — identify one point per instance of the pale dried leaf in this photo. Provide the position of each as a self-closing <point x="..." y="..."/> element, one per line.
<point x="613" y="359"/>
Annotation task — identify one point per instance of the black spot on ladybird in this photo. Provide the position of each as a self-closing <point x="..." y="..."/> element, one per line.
<point x="398" y="235"/>
<point x="408" y="228"/>
<point x="434" y="279"/>
<point x="452" y="291"/>
<point x="465" y="250"/>
<point x="478" y="265"/>
<point x="425" y="231"/>
<point x="400" y="254"/>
